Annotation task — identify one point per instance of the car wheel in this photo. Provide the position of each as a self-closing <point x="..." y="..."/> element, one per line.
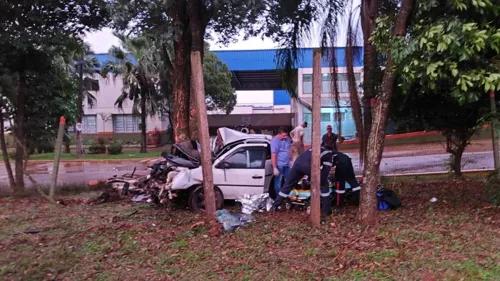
<point x="196" y="201"/>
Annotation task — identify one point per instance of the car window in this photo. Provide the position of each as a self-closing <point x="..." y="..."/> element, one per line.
<point x="237" y="160"/>
<point x="257" y="157"/>
<point x="247" y="158"/>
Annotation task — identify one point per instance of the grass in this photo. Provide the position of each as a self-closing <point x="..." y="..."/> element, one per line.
<point x="456" y="238"/>
<point x="71" y="156"/>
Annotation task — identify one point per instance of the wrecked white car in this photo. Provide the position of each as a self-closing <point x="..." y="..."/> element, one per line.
<point x="241" y="166"/>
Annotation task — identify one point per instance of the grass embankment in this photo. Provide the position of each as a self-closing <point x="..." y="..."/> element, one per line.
<point x="71" y="156"/>
<point x="456" y="238"/>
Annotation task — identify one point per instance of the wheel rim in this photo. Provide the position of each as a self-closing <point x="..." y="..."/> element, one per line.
<point x="200" y="200"/>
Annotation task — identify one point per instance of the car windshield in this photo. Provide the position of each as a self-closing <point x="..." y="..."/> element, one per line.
<point x="224" y="150"/>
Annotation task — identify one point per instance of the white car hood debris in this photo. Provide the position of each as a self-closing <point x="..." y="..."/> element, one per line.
<point x="187" y="178"/>
<point x="229" y="136"/>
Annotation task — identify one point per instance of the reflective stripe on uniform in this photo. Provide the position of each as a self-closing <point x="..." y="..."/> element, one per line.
<point x="283" y="194"/>
<point x="340" y="191"/>
<point x="325" y="194"/>
<point x="356" y="188"/>
<point x="324" y="153"/>
<point x="327" y="163"/>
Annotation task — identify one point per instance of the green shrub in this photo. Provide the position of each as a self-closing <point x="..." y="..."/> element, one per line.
<point x="96" y="148"/>
<point x="45" y="147"/>
<point x="101" y="141"/>
<point x="115" y="148"/>
<point x="12" y="155"/>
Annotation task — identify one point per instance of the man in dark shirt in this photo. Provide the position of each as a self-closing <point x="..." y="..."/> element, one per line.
<point x="329" y="139"/>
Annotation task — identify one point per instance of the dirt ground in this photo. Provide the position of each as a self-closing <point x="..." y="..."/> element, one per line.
<point x="426" y="148"/>
<point x="455" y="238"/>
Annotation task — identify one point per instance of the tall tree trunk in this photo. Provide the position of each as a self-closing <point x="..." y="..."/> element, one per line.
<point x="193" y="112"/>
<point x="5" y="154"/>
<point x="19" y="134"/>
<point x="368" y="204"/>
<point x="143" y="125"/>
<point x="353" y="92"/>
<point x="79" y="108"/>
<point x="368" y="17"/>
<point x="196" y="12"/>
<point x="316" y="140"/>
<point x="180" y="93"/>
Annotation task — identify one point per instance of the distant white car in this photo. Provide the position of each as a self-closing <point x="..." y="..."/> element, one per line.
<point x="241" y="165"/>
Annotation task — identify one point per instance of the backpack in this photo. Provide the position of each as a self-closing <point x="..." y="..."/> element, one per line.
<point x="387" y="199"/>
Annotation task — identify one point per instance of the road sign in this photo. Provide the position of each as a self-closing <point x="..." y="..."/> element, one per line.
<point x="79" y="127"/>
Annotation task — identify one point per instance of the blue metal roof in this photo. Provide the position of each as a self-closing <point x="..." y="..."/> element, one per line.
<point x="252" y="60"/>
<point x="105" y="57"/>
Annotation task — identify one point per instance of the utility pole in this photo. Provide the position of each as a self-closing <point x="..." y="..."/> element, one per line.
<point x="494" y="134"/>
<point x="57" y="158"/>
<point x="316" y="140"/>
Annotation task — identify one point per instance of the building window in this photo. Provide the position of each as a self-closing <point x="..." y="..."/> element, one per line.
<point x="343" y="85"/>
<point x="89" y="124"/>
<point x="339" y="116"/>
<point x="126" y="123"/>
<point x="326" y="117"/>
<point x="326" y="83"/>
<point x="307" y="84"/>
<point x="91" y="84"/>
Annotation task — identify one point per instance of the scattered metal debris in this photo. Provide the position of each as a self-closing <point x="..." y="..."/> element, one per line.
<point x="258" y="202"/>
<point x="232" y="221"/>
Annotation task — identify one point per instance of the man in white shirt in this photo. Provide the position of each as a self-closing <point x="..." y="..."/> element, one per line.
<point x="297" y="135"/>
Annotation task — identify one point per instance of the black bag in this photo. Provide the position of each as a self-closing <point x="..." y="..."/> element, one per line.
<point x="387" y="199"/>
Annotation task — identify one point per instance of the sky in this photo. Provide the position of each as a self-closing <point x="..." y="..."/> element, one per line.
<point x="102" y="40"/>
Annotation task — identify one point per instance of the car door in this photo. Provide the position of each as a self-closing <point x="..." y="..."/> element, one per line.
<point x="241" y="171"/>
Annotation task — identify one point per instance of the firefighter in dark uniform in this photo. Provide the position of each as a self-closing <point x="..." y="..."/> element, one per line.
<point x="344" y="172"/>
<point x="302" y="167"/>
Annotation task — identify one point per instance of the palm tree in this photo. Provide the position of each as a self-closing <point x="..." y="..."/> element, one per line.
<point x="84" y="66"/>
<point x="136" y="63"/>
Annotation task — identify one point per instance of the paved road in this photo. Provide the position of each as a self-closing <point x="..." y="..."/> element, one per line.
<point x="393" y="163"/>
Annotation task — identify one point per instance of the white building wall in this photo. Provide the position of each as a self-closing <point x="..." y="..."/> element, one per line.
<point x="298" y="109"/>
<point x="255" y="102"/>
<point x="104" y="108"/>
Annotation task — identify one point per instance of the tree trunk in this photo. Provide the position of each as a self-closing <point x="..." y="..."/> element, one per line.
<point x="67" y="148"/>
<point x="368" y="204"/>
<point x="79" y="108"/>
<point x="456" y="142"/>
<point x="143" y="125"/>
<point x="368" y="17"/>
<point x="456" y="163"/>
<point x="180" y="91"/>
<point x="19" y="133"/>
<point x="316" y="140"/>
<point x="193" y="123"/>
<point x="353" y="94"/>
<point x="195" y="14"/>
<point x="5" y="154"/>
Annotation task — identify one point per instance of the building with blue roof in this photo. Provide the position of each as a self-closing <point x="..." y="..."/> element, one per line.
<point x="258" y="86"/>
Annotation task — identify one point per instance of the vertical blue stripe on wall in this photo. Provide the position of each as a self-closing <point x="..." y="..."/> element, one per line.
<point x="281" y="97"/>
